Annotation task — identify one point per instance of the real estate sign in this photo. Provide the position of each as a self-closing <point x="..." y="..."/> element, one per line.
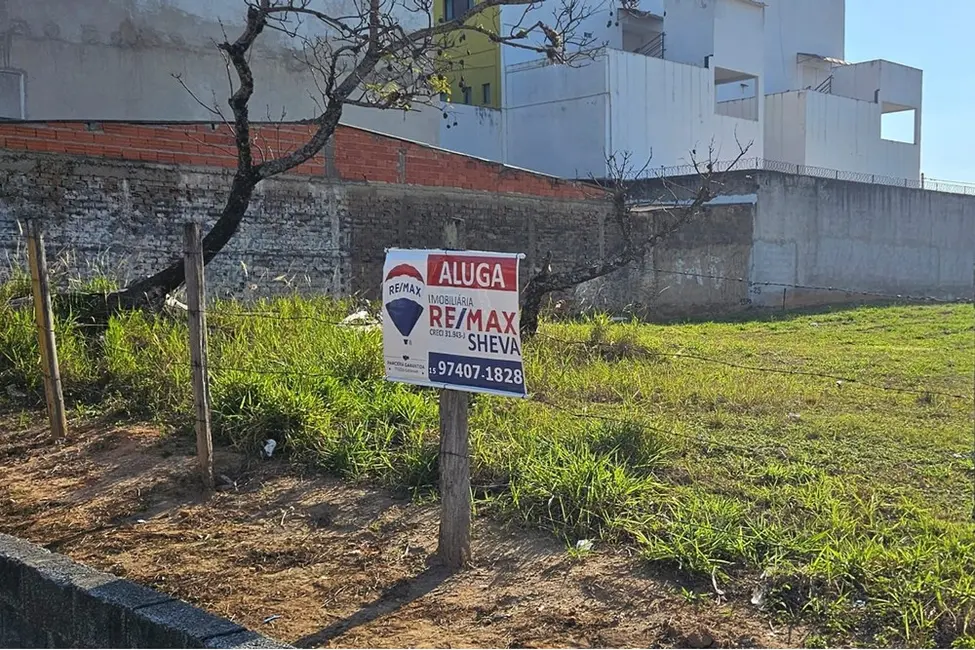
<point x="450" y="320"/>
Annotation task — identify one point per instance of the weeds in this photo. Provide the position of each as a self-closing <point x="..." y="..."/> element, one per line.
<point x="848" y="506"/>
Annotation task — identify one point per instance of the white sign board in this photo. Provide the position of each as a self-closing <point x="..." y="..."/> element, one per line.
<point x="450" y="320"/>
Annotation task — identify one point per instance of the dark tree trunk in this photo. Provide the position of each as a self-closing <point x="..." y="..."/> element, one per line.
<point x="150" y="293"/>
<point x="546" y="282"/>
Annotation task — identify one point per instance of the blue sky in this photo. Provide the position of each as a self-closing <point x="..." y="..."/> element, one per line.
<point x="933" y="35"/>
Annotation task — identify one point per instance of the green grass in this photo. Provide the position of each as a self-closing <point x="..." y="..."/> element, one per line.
<point x="846" y="505"/>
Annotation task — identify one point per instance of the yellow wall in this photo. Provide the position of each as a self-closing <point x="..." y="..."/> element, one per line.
<point x="481" y="57"/>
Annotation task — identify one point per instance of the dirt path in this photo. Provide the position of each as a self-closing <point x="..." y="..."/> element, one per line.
<point x="335" y="565"/>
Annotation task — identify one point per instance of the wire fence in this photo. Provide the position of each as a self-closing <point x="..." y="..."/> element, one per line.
<point x="764" y="164"/>
<point x="277" y="359"/>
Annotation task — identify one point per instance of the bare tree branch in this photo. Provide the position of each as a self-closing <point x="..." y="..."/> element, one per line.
<point x="367" y="58"/>
<point x="634" y="249"/>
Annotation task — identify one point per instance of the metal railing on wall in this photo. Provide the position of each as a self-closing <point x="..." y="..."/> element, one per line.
<point x="763" y="164"/>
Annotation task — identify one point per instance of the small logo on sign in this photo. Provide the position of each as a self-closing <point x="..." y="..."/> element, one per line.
<point x="404" y="288"/>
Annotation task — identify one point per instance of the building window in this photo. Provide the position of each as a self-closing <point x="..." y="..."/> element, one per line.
<point x="486" y="94"/>
<point x="456" y="8"/>
<point x="12" y="95"/>
<point x="467" y="94"/>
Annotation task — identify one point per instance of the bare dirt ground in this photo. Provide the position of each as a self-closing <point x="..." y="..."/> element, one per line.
<point x="316" y="562"/>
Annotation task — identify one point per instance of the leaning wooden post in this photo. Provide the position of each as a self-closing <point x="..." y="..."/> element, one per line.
<point x="44" y="318"/>
<point x="196" y="299"/>
<point x="455" y="474"/>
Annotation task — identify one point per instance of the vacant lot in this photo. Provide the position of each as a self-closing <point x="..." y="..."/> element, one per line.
<point x="816" y="469"/>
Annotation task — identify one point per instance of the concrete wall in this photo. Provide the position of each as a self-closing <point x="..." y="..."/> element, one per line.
<point x="314" y="230"/>
<point x="835" y="133"/>
<point x="619" y="102"/>
<point x="324" y="231"/>
<point x="546" y="103"/>
<point x="689" y="25"/>
<point x="739" y="36"/>
<point x="845" y="134"/>
<point x="683" y="277"/>
<point x="892" y="240"/>
<point x="794" y="26"/>
<point x="309" y="235"/>
<point x="669" y="109"/>
<point x="785" y="127"/>
<point x="882" y="81"/>
<point x="473" y="130"/>
<point x="315" y="236"/>
<point x="115" y="59"/>
<point x="894" y="86"/>
<point x="745" y="109"/>
<point x="48" y="601"/>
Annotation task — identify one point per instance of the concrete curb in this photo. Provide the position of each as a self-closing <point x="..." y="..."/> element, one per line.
<point x="48" y="601"/>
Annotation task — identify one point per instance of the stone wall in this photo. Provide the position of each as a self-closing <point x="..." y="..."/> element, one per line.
<point x="124" y="219"/>
<point x="48" y="601"/>
<point x="316" y="235"/>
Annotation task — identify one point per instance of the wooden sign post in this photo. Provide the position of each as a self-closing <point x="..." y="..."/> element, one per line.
<point x="44" y="318"/>
<point x="195" y="302"/>
<point x="454" y="542"/>
<point x="450" y="322"/>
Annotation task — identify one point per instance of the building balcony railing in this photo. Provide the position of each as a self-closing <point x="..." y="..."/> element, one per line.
<point x="655" y="47"/>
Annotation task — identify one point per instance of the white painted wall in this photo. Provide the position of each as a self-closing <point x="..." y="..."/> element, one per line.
<point x="557" y="118"/>
<point x="115" y="60"/>
<point x="739" y="29"/>
<point x="689" y="25"/>
<point x="835" y="133"/>
<point x="473" y="130"/>
<point x="813" y="73"/>
<point x="746" y="109"/>
<point x="896" y="83"/>
<point x="793" y="26"/>
<point x="785" y="128"/>
<point x="668" y="109"/>
<point x="567" y="121"/>
<point x="602" y="24"/>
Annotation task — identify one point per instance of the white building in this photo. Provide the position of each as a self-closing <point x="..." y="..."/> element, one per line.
<point x="117" y="60"/>
<point x="676" y="77"/>
<point x="825" y="112"/>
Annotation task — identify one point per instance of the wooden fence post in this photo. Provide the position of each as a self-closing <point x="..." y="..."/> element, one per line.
<point x="196" y="300"/>
<point x="44" y="318"/>
<point x="454" y="543"/>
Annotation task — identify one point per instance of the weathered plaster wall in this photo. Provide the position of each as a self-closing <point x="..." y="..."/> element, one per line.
<point x="116" y="60"/>
<point x="872" y="238"/>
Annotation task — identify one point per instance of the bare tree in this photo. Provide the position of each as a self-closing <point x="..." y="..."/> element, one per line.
<point x="364" y="57"/>
<point x="678" y="203"/>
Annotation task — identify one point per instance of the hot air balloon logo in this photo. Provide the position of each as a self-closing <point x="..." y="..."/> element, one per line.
<point x="404" y="286"/>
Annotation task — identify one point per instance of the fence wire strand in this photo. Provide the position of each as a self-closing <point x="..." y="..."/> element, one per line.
<point x="765" y="369"/>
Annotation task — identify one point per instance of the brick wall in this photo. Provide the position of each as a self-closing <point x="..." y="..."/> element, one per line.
<point x="124" y="218"/>
<point x="353" y="155"/>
